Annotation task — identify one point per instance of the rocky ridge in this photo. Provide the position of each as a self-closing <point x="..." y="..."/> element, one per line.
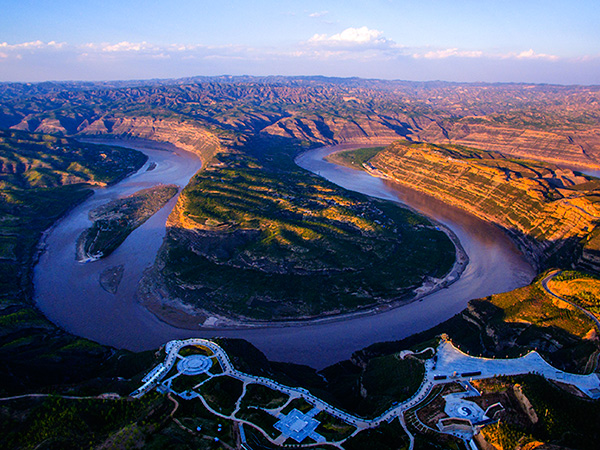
<point x="553" y="123"/>
<point x="577" y="148"/>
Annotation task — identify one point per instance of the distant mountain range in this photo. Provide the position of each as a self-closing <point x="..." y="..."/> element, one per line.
<point x="558" y="123"/>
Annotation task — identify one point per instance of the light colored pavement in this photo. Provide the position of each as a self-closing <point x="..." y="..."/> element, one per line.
<point x="549" y="291"/>
<point x="451" y="364"/>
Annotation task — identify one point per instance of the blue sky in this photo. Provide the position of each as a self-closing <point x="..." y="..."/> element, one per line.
<point x="544" y="41"/>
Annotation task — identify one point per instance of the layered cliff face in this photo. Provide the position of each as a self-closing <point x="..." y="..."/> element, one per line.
<point x="332" y="130"/>
<point x="186" y="135"/>
<point x="546" y="209"/>
<point x="575" y="147"/>
<point x="260" y="239"/>
<point x="551" y="123"/>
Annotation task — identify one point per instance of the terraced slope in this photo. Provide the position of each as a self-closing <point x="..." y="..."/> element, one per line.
<point x="546" y="209"/>
<point x="253" y="236"/>
<point x="557" y="146"/>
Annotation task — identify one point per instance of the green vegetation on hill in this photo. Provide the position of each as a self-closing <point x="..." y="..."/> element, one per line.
<point x="581" y="288"/>
<point x="221" y="393"/>
<point x="547" y="210"/>
<point x="367" y="385"/>
<point x="113" y="222"/>
<point x="564" y="418"/>
<point x="389" y="379"/>
<point x="254" y="236"/>
<point x="30" y="161"/>
<point x="509" y="325"/>
<point x="389" y="436"/>
<point x="55" y="422"/>
<point x="36" y="176"/>
<point x="264" y="397"/>
<point x="58" y="423"/>
<point x="332" y="428"/>
<point x="318" y="109"/>
<point x="561" y="418"/>
<point x="41" y="178"/>
<point x="355" y="158"/>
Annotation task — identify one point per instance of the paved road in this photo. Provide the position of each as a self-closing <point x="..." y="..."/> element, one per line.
<point x="583" y="310"/>
<point x="451" y="364"/>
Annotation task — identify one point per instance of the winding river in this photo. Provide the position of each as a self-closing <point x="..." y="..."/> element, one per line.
<point x="70" y="295"/>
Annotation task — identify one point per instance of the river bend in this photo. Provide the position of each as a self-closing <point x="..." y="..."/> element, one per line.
<point x="69" y="294"/>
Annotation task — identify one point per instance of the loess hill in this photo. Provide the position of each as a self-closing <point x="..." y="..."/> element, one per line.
<point x="253" y="236"/>
<point x="549" y="211"/>
<point x="554" y="123"/>
<point x="221" y="114"/>
<point x="41" y="178"/>
<point x="254" y="230"/>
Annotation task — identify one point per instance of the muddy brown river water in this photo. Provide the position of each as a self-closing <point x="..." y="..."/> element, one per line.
<point x="69" y="293"/>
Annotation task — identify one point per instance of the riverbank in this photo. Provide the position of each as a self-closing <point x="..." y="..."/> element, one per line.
<point x="167" y="296"/>
<point x="175" y="313"/>
<point x="182" y="315"/>
<point x="69" y="293"/>
<point x="545" y="209"/>
<point x="114" y="221"/>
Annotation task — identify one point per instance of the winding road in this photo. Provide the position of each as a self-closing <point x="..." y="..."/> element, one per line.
<point x="555" y="273"/>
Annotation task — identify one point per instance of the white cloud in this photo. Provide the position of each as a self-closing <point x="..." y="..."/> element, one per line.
<point x="530" y="54"/>
<point x="457" y="53"/>
<point x="450" y="52"/>
<point x="351" y="52"/>
<point x="351" y="36"/>
<point x="370" y="43"/>
<point x="318" y="14"/>
<point x="33" y="45"/>
<point x="127" y="47"/>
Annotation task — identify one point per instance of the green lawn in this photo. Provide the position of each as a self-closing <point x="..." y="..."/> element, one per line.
<point x="221" y="393"/>
<point x="263" y="396"/>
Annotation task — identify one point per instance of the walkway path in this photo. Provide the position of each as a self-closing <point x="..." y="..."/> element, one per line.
<point x="107" y="396"/>
<point x="451" y="364"/>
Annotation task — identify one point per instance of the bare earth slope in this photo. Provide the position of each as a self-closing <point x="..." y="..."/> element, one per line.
<point x="558" y="146"/>
<point x="546" y="209"/>
<point x="226" y="115"/>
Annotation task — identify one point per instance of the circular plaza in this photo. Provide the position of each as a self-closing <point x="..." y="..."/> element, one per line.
<point x="194" y="365"/>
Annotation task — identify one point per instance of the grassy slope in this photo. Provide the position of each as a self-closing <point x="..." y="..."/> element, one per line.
<point x="266" y="234"/>
<point x="116" y="220"/>
<point x="546" y="209"/>
<point x="192" y="108"/>
<point x="509" y="325"/>
<point x="563" y="419"/>
<point x="581" y="288"/>
<point x="55" y="423"/>
<point x="36" y="356"/>
<point x="33" y="352"/>
<point x="354" y="158"/>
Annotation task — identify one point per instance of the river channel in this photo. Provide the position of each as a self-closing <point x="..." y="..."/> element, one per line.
<point x="69" y="294"/>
